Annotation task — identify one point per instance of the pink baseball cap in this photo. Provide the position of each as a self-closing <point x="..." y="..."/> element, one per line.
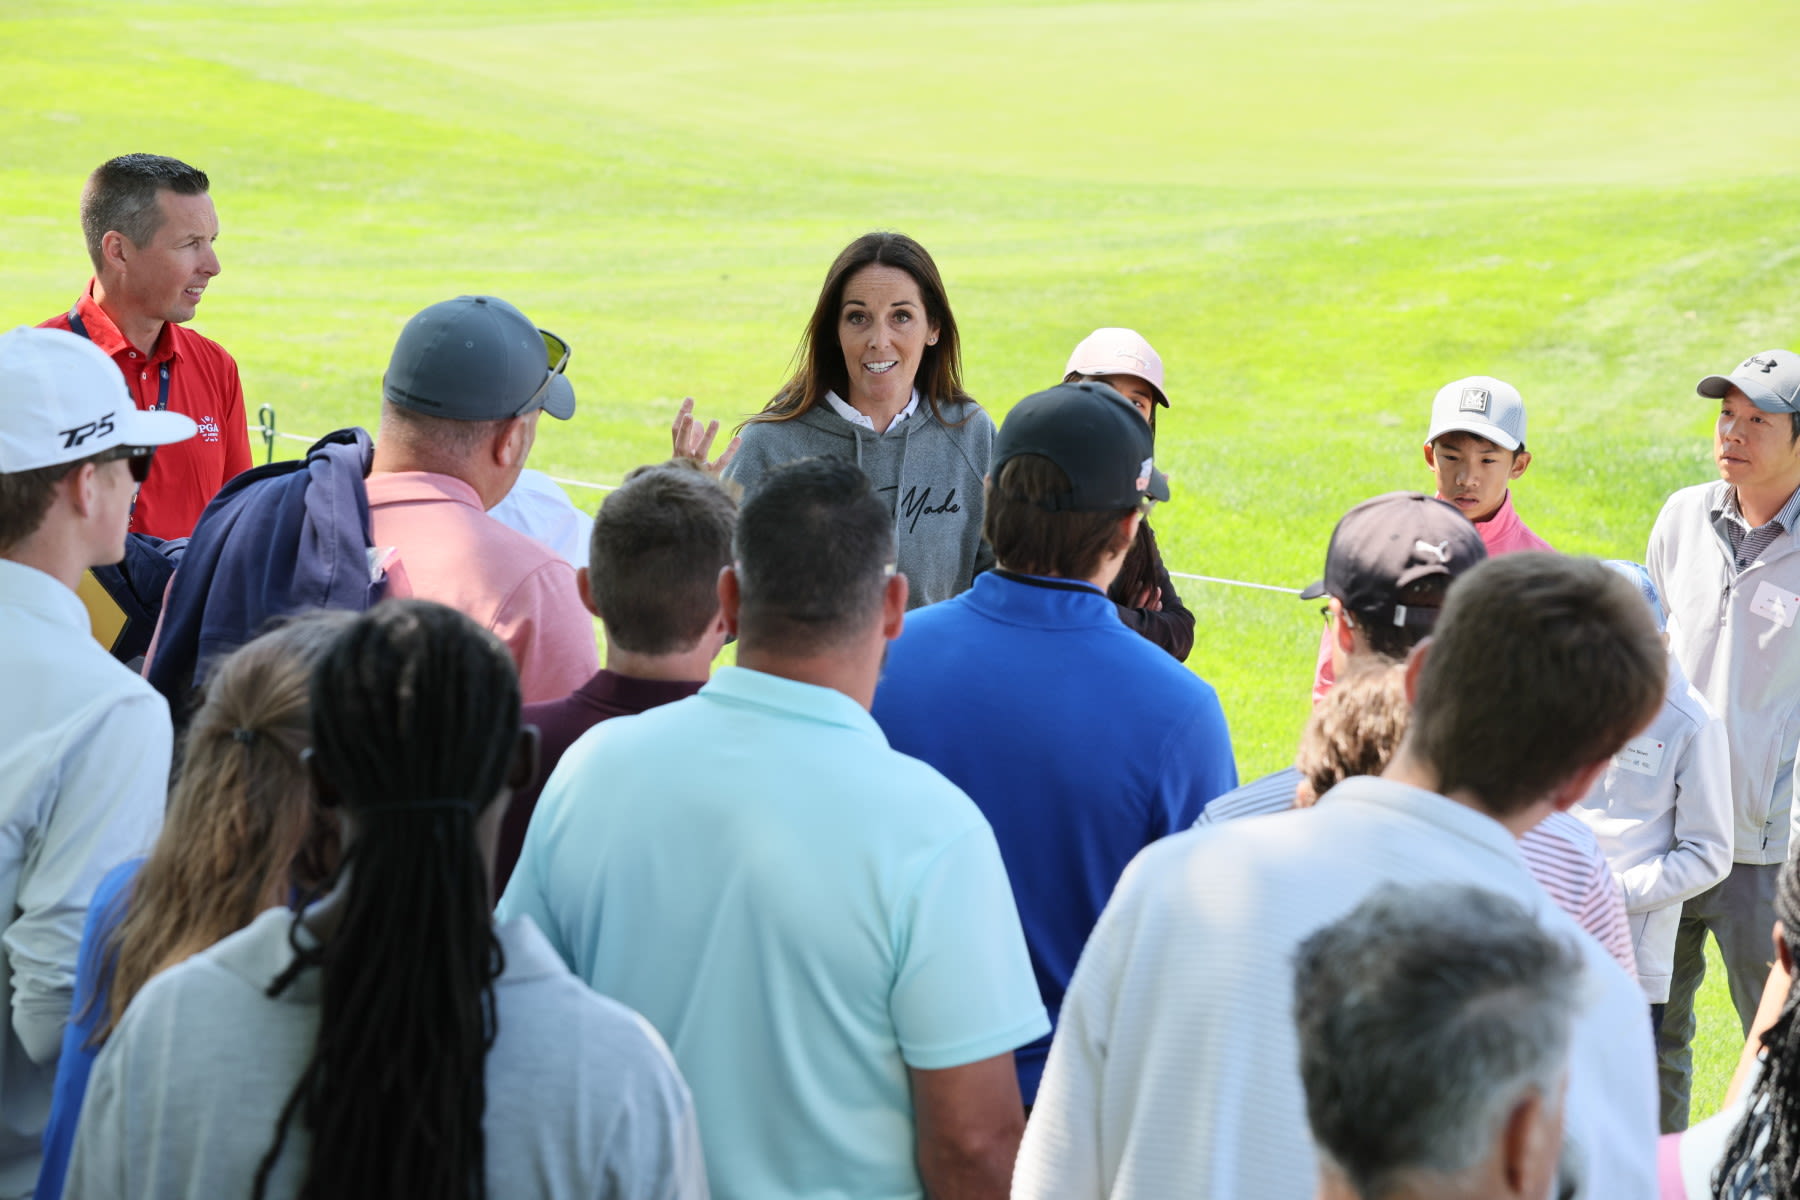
<point x="1114" y="351"/>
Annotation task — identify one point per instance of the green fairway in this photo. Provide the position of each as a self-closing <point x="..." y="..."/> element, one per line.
<point x="1319" y="212"/>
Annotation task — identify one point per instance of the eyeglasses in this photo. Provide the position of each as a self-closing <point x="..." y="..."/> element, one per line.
<point x="1325" y="611"/>
<point x="556" y="360"/>
<point x="137" y="459"/>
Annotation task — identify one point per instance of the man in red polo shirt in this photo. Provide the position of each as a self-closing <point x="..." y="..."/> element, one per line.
<point x="150" y="227"/>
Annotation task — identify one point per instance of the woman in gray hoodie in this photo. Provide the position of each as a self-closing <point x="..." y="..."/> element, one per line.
<point x="880" y="383"/>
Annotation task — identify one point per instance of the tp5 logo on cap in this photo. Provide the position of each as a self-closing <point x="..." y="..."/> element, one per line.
<point x="81" y="433"/>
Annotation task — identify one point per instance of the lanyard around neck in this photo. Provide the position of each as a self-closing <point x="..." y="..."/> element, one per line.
<point x="162" y="389"/>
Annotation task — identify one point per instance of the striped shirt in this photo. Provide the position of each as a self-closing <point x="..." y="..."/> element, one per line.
<point x="1562" y="853"/>
<point x="1748" y="543"/>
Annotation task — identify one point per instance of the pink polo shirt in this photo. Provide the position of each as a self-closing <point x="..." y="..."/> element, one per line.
<point x="449" y="550"/>
<point x="1502" y="533"/>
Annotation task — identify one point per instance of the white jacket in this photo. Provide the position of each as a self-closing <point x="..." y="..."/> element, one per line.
<point x="1735" y="635"/>
<point x="1662" y="815"/>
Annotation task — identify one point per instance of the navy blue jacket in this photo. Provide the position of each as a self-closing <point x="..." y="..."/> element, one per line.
<point x="277" y="539"/>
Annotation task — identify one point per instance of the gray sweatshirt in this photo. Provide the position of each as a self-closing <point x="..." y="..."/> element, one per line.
<point x="928" y="473"/>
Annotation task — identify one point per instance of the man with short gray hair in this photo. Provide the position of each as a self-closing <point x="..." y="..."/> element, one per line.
<point x="1434" y="1042"/>
<point x="459" y="415"/>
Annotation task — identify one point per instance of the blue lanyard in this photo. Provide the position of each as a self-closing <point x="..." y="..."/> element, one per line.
<point x="162" y="389"/>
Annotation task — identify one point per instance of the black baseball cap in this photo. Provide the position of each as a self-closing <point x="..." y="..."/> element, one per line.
<point x="477" y="358"/>
<point x="1095" y="436"/>
<point x="1385" y="544"/>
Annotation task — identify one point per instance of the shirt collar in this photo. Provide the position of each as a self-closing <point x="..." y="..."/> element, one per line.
<point x="398" y="487"/>
<point x="609" y="691"/>
<point x="789" y="697"/>
<point x="104" y="334"/>
<point x="1431" y="808"/>
<point x="1726" y="508"/>
<point x="855" y="417"/>
<point x="1029" y="600"/>
<point x="43" y="594"/>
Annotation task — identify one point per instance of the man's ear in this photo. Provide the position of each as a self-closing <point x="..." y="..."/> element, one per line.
<point x="893" y="605"/>
<point x="1521" y="460"/>
<point x="1527" y="1155"/>
<point x="586" y="589"/>
<point x="1577" y="785"/>
<point x="1342" y="631"/>
<point x="729" y="598"/>
<point x="512" y="441"/>
<point x="527" y="757"/>
<point x="82" y="489"/>
<point x="1415" y="662"/>
<point x="115" y="247"/>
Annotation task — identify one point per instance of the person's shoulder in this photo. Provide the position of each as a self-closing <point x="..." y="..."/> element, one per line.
<point x="191" y="342"/>
<point x="1699" y="498"/>
<point x="1272" y="793"/>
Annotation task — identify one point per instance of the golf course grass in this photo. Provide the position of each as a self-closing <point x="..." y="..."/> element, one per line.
<point x="1318" y="212"/>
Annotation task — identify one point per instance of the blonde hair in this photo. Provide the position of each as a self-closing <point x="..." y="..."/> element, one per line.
<point x="242" y="825"/>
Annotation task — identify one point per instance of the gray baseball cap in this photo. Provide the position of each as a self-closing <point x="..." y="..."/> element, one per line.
<point x="477" y="358"/>
<point x="1771" y="380"/>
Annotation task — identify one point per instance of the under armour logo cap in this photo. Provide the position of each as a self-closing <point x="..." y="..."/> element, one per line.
<point x="1771" y="380"/>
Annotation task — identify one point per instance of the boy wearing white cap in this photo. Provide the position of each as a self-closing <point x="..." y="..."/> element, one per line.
<point x="1143" y="591"/>
<point x="1725" y="557"/>
<point x="1475" y="447"/>
<point x="84" y="743"/>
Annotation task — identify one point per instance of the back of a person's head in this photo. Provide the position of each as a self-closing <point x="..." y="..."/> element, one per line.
<point x="1426" y="1017"/>
<point x="813" y="550"/>
<point x="1030" y="536"/>
<point x="242" y="831"/>
<point x="1763" y="1155"/>
<point x="1357" y="726"/>
<point x="1540" y="666"/>
<point x="415" y="721"/>
<point x="1393" y="642"/>
<point x="658" y="544"/>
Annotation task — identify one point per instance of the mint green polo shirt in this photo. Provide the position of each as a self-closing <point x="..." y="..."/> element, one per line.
<point x="801" y="911"/>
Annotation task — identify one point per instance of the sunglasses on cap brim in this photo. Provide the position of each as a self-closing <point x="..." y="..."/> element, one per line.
<point x="556" y="360"/>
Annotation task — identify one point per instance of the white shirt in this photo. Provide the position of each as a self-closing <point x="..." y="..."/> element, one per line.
<point x="84" y="773"/>
<point x="583" y="1099"/>
<point x="1175" y="1067"/>
<point x="857" y="417"/>
<point x="538" y="508"/>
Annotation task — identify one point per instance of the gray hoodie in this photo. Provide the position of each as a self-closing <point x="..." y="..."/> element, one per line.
<point x="928" y="473"/>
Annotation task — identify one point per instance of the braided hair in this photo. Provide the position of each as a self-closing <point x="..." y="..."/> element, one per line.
<point x="415" y="718"/>
<point x="1763" y="1158"/>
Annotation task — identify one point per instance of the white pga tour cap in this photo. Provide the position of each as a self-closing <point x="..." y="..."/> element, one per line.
<point x="1481" y="405"/>
<point x="1771" y="380"/>
<point x="62" y="399"/>
<point x="1115" y="351"/>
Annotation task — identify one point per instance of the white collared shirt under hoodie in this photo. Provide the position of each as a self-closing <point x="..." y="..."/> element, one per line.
<point x="857" y="417"/>
<point x="1175" y="1069"/>
<point x="1735" y="633"/>
<point x="84" y="771"/>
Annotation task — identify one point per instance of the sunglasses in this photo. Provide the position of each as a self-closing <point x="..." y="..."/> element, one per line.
<point x="556" y="360"/>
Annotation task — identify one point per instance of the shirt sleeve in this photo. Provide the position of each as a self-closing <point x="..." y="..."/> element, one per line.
<point x="97" y="1166"/>
<point x="1172" y="626"/>
<point x="550" y="634"/>
<point x="653" y="1152"/>
<point x="108" y="808"/>
<point x="964" y="989"/>
<point x="238" y="455"/>
<point x="1701" y="855"/>
<point x="1603" y="915"/>
<point x="1197" y="765"/>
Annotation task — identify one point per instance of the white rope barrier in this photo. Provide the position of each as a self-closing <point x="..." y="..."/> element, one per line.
<point x="269" y="433"/>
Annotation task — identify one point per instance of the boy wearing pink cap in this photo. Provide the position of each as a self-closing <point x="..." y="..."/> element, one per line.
<point x="1143" y="591"/>
<point x="1475" y="447"/>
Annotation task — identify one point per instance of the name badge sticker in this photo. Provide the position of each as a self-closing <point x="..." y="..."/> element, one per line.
<point x="1776" y="604"/>
<point x="1642" y="755"/>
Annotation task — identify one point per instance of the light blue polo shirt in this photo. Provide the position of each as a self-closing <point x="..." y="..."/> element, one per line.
<point x="801" y="911"/>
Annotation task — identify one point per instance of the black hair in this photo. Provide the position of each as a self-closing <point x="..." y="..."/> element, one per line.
<point x="121" y="195"/>
<point x="1765" y="1146"/>
<point x="415" y="721"/>
<point x="814" y="546"/>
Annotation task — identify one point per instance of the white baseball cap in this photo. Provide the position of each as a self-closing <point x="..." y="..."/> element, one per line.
<point x="1771" y="380"/>
<point x="63" y="399"/>
<point x="1481" y="405"/>
<point x="1115" y="351"/>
